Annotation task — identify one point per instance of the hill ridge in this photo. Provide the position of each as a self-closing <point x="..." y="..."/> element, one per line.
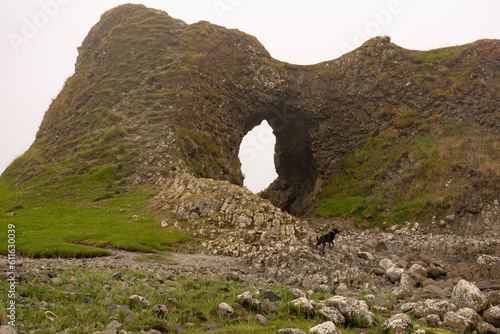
<point x="152" y="96"/>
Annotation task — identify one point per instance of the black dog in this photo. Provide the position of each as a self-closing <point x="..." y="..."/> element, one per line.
<point x="326" y="238"/>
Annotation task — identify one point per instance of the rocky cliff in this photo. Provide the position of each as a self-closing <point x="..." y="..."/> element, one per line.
<point x="380" y="134"/>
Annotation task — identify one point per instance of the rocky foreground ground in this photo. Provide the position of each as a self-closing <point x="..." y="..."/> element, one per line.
<point x="446" y="280"/>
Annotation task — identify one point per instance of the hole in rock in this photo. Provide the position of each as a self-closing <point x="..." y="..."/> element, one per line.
<point x="257" y="157"/>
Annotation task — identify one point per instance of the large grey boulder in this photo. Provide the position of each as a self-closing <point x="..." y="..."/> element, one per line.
<point x="466" y="294"/>
<point x="291" y="331"/>
<point x="6" y="329"/>
<point x="456" y="322"/>
<point x="353" y="310"/>
<point x="394" y="274"/>
<point x="432" y="306"/>
<point x="325" y="328"/>
<point x="400" y="323"/>
<point x="333" y="314"/>
<point x="492" y="316"/>
<point x="303" y="303"/>
<point x="225" y="310"/>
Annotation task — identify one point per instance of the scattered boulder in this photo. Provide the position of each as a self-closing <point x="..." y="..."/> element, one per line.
<point x="225" y="311"/>
<point x="485" y="328"/>
<point x="291" y="331"/>
<point x="418" y="269"/>
<point x="214" y="327"/>
<point x="6" y="329"/>
<point x="267" y="306"/>
<point x="432" y="306"/>
<point x="394" y="274"/>
<point x="386" y="264"/>
<point x="466" y="294"/>
<point x="381" y="246"/>
<point x="492" y="316"/>
<point x="470" y="314"/>
<point x="114" y="325"/>
<point x="433" y="320"/>
<point x="325" y="328"/>
<point x="456" y="322"/>
<point x="403" y="292"/>
<point x="494" y="297"/>
<point x="333" y="314"/>
<point x="435" y="272"/>
<point x="400" y="323"/>
<point x="262" y="319"/>
<point x="160" y="310"/>
<point x="139" y="300"/>
<point x="353" y="310"/>
<point x="305" y="304"/>
<point x="56" y="281"/>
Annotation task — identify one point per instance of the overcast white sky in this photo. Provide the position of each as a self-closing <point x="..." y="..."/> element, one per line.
<point x="39" y="40"/>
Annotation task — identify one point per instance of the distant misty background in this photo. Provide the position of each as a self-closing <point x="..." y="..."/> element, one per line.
<point x="39" y="40"/>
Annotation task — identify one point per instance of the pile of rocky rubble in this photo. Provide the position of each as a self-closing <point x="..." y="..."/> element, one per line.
<point x="232" y="219"/>
<point x="422" y="268"/>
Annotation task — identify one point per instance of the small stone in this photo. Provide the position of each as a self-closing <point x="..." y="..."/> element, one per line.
<point x="114" y="325"/>
<point x="492" y="316"/>
<point x="6" y="329"/>
<point x="179" y="328"/>
<point x="333" y="314"/>
<point x="400" y="323"/>
<point x="131" y="317"/>
<point x="418" y="269"/>
<point x="267" y="306"/>
<point x="225" y="311"/>
<point x="470" y="314"/>
<point x="262" y="319"/>
<point x="213" y="327"/>
<point x="298" y="293"/>
<point x="56" y="281"/>
<point x="433" y="320"/>
<point x="485" y="328"/>
<point x="325" y="328"/>
<point x="233" y="276"/>
<point x="466" y="294"/>
<point x="117" y="276"/>
<point x="394" y="274"/>
<point x="458" y="323"/>
<point x="304" y="304"/>
<point x="380" y="246"/>
<point x="138" y="300"/>
<point x="342" y="290"/>
<point x="291" y="331"/>
<point x="386" y="264"/>
<point x="435" y="272"/>
<point x="86" y="300"/>
<point x="160" y="310"/>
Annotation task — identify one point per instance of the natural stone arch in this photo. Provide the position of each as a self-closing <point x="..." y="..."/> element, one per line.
<point x="293" y="159"/>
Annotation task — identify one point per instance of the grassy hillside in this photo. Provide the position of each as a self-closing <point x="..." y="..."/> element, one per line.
<point x="437" y="166"/>
<point x="81" y="216"/>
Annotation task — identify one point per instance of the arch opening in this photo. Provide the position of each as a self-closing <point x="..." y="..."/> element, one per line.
<point x="256" y="154"/>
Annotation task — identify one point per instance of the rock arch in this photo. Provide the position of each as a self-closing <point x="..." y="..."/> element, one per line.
<point x="294" y="160"/>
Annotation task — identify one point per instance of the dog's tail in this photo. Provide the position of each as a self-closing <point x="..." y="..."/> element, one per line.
<point x="317" y="239"/>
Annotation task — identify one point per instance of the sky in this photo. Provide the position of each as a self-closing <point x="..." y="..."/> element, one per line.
<point x="39" y="40"/>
